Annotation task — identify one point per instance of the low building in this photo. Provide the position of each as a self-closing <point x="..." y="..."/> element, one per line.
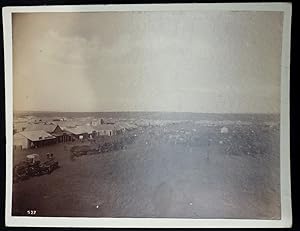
<point x="119" y="129"/>
<point x="32" y="139"/>
<point x="96" y="122"/>
<point x="53" y="129"/>
<point x="127" y="126"/>
<point x="109" y="121"/>
<point x="104" y="130"/>
<point x="83" y="131"/>
<point x="61" y="135"/>
<point x="20" y="141"/>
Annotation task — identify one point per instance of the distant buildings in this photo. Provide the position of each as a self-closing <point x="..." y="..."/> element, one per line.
<point x="96" y="122"/>
<point x="86" y="131"/>
<point x="113" y="129"/>
<point x="37" y="132"/>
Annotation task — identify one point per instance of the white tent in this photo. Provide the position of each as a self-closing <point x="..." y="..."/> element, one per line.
<point x="224" y="130"/>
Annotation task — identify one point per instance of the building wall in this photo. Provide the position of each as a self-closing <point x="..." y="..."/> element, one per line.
<point x="105" y="133"/>
<point x="63" y="138"/>
<point x="42" y="143"/>
<point x="20" y="141"/>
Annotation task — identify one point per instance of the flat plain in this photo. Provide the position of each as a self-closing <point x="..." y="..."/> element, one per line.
<point x="188" y="169"/>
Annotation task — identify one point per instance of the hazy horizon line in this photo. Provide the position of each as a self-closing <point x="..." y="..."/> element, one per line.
<point x="41" y="111"/>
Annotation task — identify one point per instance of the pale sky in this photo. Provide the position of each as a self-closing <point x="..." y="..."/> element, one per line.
<point x="200" y="61"/>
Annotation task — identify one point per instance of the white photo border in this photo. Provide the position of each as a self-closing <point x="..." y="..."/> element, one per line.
<point x="285" y="184"/>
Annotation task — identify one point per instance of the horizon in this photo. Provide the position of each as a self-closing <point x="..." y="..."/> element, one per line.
<point x="38" y="111"/>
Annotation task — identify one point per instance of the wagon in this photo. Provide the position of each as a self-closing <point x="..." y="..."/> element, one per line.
<point x="32" y="166"/>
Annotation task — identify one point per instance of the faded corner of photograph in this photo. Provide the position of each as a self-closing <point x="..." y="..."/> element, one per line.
<point x="152" y="114"/>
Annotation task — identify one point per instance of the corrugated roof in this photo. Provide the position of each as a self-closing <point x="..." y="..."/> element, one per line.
<point x="37" y="135"/>
<point x="45" y="127"/>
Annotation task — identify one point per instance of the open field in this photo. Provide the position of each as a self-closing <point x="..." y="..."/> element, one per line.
<point x="184" y="170"/>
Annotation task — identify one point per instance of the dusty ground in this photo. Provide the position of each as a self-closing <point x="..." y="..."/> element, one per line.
<point x="201" y="174"/>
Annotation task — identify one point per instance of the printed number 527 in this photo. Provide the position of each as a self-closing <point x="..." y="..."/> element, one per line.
<point x="31" y="212"/>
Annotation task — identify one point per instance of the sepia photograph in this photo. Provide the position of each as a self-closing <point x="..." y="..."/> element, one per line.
<point x="162" y="112"/>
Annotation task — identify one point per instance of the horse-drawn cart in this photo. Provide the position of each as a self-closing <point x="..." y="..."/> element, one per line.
<point x="32" y="166"/>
